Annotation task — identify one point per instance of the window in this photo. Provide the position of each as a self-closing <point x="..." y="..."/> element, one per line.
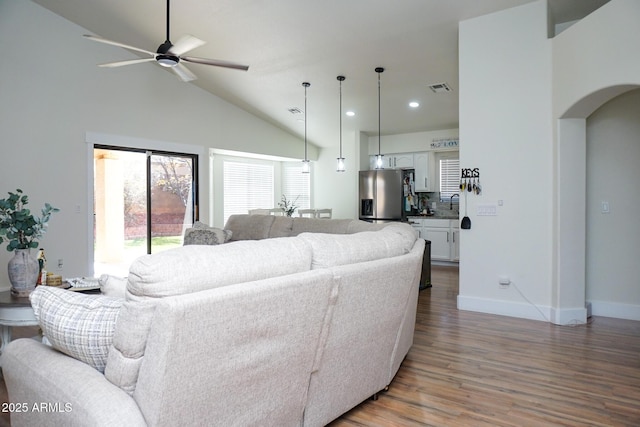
<point x="247" y="185"/>
<point x="449" y="166"/>
<point x="296" y="185"/>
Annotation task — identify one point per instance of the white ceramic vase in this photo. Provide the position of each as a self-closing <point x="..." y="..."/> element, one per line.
<point x="23" y="272"/>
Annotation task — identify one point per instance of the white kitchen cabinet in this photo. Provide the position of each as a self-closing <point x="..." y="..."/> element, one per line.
<point x="444" y="235"/>
<point x="455" y="245"/>
<point x="424" y="172"/>
<point x="396" y="161"/>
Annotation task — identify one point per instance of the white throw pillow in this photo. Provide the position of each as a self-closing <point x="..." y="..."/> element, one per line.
<point x="113" y="286"/>
<point x="76" y="324"/>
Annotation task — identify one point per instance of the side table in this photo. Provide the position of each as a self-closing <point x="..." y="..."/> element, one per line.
<point x="14" y="311"/>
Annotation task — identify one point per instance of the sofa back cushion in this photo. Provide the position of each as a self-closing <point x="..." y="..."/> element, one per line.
<point x="331" y="250"/>
<point x="249" y="227"/>
<point x="186" y="270"/>
<point x="314" y="225"/>
<point x="281" y="227"/>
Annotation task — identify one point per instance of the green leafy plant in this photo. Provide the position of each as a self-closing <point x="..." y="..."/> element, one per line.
<point x="288" y="206"/>
<point x="18" y="226"/>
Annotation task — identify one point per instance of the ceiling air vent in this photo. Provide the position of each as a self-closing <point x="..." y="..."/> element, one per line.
<point x="295" y="110"/>
<point x="440" y="87"/>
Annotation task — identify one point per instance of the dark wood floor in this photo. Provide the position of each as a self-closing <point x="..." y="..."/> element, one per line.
<point x="473" y="369"/>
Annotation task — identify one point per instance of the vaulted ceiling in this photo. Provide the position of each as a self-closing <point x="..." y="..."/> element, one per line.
<point x="287" y="42"/>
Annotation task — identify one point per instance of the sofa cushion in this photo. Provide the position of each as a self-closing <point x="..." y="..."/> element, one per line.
<point x="357" y="226"/>
<point x="76" y="324"/>
<point x="313" y="225"/>
<point x="249" y="227"/>
<point x="189" y="269"/>
<point x="331" y="250"/>
<point x="281" y="227"/>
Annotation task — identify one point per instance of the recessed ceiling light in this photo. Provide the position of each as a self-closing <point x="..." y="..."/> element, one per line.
<point x="350" y="113"/>
<point x="414" y="104"/>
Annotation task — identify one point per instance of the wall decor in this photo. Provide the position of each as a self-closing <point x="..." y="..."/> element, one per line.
<point x="445" y="143"/>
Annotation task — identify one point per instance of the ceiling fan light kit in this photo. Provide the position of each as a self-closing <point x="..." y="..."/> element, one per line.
<point x="169" y="55"/>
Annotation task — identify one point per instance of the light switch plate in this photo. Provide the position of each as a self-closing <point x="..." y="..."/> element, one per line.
<point x="487" y="210"/>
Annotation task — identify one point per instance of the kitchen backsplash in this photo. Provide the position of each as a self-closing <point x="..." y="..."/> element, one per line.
<point x="441" y="208"/>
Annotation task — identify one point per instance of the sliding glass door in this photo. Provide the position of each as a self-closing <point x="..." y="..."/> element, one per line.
<point x="143" y="202"/>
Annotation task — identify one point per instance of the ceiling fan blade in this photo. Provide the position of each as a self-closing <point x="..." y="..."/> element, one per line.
<point x="111" y="42"/>
<point x="215" y="63"/>
<point x="183" y="72"/>
<point x="126" y="62"/>
<point x="185" y="44"/>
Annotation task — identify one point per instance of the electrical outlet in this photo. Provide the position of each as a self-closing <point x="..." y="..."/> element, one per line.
<point x="504" y="282"/>
<point x="60" y="263"/>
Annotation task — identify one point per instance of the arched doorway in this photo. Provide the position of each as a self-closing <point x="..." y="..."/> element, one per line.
<point x="570" y="200"/>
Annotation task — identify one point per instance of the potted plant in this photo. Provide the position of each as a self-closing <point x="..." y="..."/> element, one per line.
<point x="287" y="206"/>
<point x="22" y="230"/>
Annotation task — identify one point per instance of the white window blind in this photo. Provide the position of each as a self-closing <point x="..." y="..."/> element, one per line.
<point x="247" y="186"/>
<point x="296" y="185"/>
<point x="449" y="177"/>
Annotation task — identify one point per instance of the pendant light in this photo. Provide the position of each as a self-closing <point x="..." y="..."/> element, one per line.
<point x="340" y="167"/>
<point x="305" y="162"/>
<point x="379" y="157"/>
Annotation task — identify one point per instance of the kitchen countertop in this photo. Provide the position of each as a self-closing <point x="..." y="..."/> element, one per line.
<point x="443" y="215"/>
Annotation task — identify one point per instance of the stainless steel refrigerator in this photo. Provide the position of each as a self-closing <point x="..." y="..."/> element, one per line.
<point x="381" y="195"/>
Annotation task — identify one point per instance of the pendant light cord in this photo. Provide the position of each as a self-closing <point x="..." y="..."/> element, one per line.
<point x="340" y="79"/>
<point x="306" y="85"/>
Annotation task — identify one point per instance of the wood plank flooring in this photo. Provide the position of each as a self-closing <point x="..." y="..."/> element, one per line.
<point x="474" y="369"/>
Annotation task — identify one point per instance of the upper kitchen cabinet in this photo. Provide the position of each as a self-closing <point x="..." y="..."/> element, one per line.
<point x="424" y="172"/>
<point x="394" y="161"/>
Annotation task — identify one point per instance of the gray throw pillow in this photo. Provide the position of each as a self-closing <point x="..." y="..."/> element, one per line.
<point x="202" y="234"/>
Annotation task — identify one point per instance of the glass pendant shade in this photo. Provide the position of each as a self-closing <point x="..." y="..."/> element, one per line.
<point x="306" y="168"/>
<point x="380" y="161"/>
<point x="340" y="167"/>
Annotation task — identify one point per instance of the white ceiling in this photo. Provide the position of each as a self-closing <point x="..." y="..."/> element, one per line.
<point x="287" y="42"/>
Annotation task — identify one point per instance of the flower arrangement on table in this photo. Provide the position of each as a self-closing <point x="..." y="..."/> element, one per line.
<point x="287" y="206"/>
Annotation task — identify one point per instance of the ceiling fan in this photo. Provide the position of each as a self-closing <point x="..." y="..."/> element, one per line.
<point x="170" y="55"/>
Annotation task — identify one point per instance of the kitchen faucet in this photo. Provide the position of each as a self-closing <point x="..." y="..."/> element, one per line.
<point x="451" y="200"/>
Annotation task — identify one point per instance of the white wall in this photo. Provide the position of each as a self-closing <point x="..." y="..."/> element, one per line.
<point x="613" y="175"/>
<point x="53" y="94"/>
<point x="338" y="191"/>
<point x="523" y="112"/>
<point x="506" y="132"/>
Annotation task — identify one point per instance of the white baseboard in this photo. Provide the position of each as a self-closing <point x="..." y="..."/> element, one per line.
<point x="615" y="309"/>
<point x="569" y="316"/>
<point x="504" y="308"/>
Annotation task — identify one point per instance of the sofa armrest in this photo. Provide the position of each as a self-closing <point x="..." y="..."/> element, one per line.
<point x="49" y="388"/>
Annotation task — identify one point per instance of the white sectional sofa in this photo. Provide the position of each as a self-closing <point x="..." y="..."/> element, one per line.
<point x="277" y="331"/>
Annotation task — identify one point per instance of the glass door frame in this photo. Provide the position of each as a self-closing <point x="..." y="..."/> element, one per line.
<point x="114" y="142"/>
